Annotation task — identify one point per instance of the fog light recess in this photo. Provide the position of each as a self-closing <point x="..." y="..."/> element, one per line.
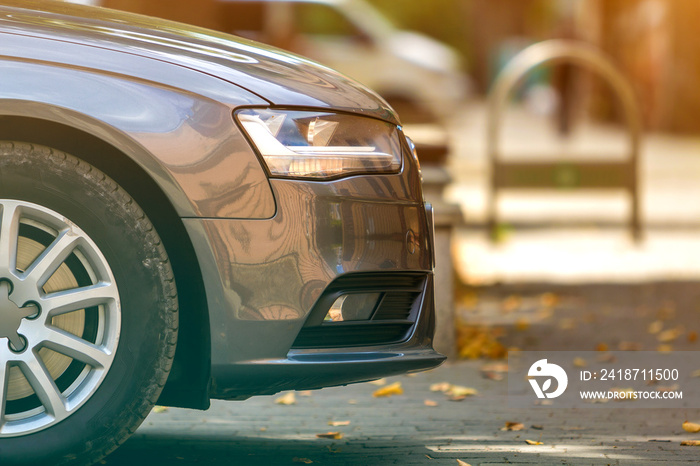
<point x="353" y="307"/>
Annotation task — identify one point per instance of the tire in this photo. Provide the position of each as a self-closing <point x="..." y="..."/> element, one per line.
<point x="74" y="384"/>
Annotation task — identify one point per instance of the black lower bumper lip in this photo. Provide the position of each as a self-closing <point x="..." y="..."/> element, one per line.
<point x="303" y="370"/>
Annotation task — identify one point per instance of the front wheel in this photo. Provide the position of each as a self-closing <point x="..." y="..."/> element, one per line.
<point x="88" y="310"/>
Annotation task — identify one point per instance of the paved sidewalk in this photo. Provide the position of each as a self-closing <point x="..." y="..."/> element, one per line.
<point x="402" y="430"/>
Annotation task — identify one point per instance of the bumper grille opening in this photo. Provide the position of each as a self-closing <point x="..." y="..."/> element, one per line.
<point x="391" y="322"/>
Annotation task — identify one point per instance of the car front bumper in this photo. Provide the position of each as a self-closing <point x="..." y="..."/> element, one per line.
<point x="270" y="282"/>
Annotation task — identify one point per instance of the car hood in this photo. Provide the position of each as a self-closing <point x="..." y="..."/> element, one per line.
<point x="274" y="75"/>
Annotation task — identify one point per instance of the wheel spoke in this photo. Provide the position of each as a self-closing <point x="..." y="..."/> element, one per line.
<point x="77" y="348"/>
<point x="63" y="302"/>
<point x="65" y="259"/>
<point x="43" y="385"/>
<point x="53" y="256"/>
<point x="9" y="231"/>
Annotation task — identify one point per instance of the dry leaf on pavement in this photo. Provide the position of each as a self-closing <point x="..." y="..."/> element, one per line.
<point x="440" y="387"/>
<point x="288" y="399"/>
<point x="549" y="299"/>
<point x="160" y="409"/>
<point x="430" y="403"/>
<point x="533" y="442"/>
<point x="655" y="327"/>
<point x="389" y="390"/>
<point x="457" y="391"/>
<point x="580" y="362"/>
<point x="330" y="435"/>
<point x="513" y="426"/>
<point x="690" y="443"/>
<point x="522" y="324"/>
<point x="301" y="460"/>
<point x="480" y="342"/>
<point x="670" y="335"/>
<point x="462" y="463"/>
<point x="691" y="427"/>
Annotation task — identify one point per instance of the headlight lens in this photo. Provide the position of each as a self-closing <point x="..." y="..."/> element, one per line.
<point x="320" y="144"/>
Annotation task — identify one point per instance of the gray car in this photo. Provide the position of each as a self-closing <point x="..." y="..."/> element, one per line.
<point x="187" y="216"/>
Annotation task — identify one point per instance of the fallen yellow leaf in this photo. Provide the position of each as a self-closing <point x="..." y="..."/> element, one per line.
<point x="287" y="399"/>
<point x="430" y="403"/>
<point x="440" y="387"/>
<point x="580" y="362"/>
<point x="389" y="390"/>
<point x="549" y="299"/>
<point x="459" y="391"/>
<point x="462" y="463"/>
<point x="664" y="348"/>
<point x="533" y="442"/>
<point x="513" y="426"/>
<point x="601" y="347"/>
<point x="692" y="337"/>
<point x="670" y="335"/>
<point x="690" y="443"/>
<point x="522" y="324"/>
<point x="305" y="393"/>
<point x="691" y="427"/>
<point x="330" y="435"/>
<point x="160" y="409"/>
<point x="655" y="327"/>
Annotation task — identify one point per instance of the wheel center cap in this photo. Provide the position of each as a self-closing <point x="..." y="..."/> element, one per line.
<point x="11" y="317"/>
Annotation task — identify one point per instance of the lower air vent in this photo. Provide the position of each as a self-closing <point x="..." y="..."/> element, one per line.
<point x="391" y="322"/>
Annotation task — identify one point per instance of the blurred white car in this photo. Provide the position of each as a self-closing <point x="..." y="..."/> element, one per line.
<point x="419" y="76"/>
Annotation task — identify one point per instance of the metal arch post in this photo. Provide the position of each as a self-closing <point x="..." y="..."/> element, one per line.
<point x="577" y="53"/>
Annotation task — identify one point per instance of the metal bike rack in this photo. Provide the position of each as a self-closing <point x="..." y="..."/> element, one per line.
<point x="570" y="173"/>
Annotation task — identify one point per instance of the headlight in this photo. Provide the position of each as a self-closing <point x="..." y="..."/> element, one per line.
<point x="320" y="144"/>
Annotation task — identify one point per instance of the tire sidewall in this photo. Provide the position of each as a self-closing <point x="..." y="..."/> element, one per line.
<point x="131" y="248"/>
